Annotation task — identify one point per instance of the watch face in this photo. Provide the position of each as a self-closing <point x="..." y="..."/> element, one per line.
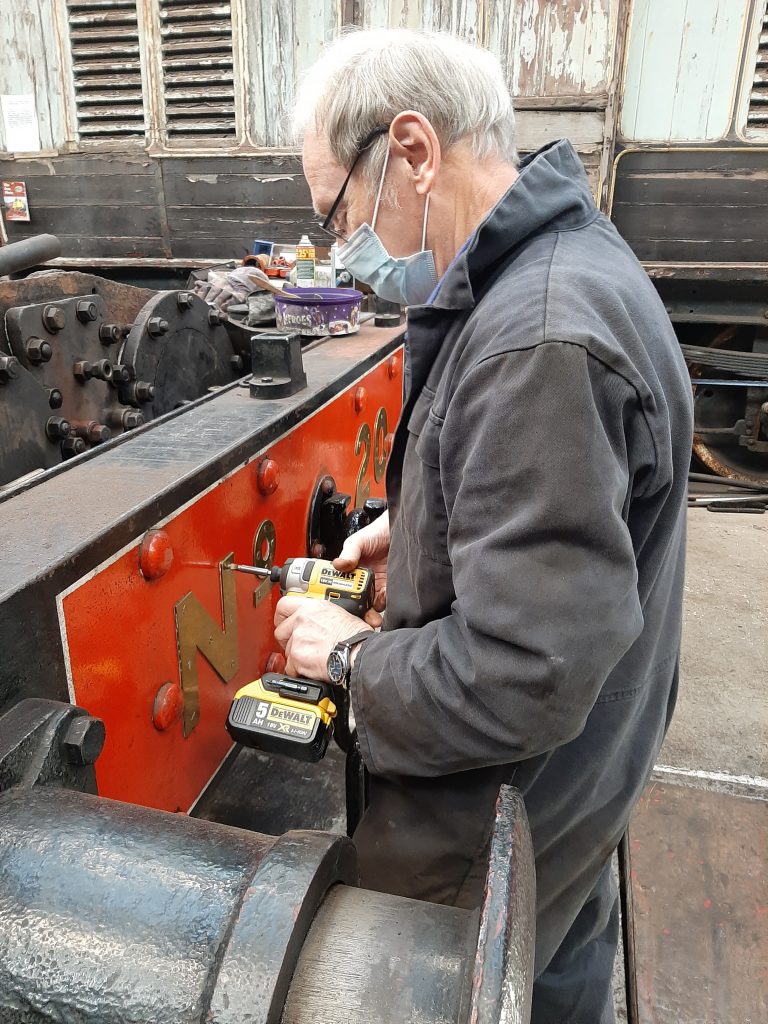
<point x="337" y="668"/>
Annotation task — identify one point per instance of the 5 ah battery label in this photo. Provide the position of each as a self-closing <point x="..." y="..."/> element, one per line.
<point x="288" y="721"/>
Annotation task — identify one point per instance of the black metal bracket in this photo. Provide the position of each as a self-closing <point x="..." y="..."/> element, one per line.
<point x="45" y="742"/>
<point x="329" y="521"/>
<point x="277" y="366"/>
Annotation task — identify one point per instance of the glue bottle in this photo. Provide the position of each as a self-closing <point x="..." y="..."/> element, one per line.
<point x="305" y="263"/>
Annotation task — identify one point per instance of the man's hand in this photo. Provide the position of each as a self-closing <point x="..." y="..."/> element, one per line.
<point x="369" y="547"/>
<point x="308" y="630"/>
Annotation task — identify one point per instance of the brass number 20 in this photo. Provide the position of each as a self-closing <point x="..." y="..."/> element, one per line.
<point x="363" y="443"/>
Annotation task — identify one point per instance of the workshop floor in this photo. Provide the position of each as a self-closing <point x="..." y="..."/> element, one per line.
<point x="719" y="734"/>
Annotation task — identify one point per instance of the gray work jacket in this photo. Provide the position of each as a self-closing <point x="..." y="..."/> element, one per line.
<point x="537" y="491"/>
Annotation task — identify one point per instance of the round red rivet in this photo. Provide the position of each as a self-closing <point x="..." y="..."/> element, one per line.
<point x="275" y="662"/>
<point x="393" y="366"/>
<point x="361" y="399"/>
<point x="268" y="476"/>
<point x="155" y="554"/>
<point x="168" y="706"/>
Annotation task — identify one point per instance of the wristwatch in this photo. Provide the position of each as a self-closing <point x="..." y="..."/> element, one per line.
<point x="340" y="659"/>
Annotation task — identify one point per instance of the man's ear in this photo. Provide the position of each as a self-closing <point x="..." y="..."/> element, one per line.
<point x="415" y="141"/>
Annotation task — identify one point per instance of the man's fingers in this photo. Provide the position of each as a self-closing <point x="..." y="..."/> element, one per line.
<point x="286" y="606"/>
<point x="380" y="600"/>
<point x="373" y="618"/>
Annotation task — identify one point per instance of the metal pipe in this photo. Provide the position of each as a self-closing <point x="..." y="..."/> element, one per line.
<point x="28" y="252"/>
<point x="710" y="478"/>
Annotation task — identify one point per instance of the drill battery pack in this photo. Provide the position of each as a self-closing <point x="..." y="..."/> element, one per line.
<point x="284" y="715"/>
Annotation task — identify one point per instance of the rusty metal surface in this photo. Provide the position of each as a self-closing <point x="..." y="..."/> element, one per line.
<point x="698" y="900"/>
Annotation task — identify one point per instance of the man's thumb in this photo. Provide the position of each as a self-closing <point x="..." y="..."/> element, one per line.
<point x="350" y="554"/>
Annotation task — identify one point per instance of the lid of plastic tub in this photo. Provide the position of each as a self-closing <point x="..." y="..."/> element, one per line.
<point x="319" y="296"/>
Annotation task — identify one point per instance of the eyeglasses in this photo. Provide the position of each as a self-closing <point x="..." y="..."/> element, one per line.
<point x="326" y="224"/>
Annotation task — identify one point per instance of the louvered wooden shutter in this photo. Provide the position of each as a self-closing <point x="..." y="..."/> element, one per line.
<point x="758" y="101"/>
<point x="198" y="78"/>
<point x="106" y="62"/>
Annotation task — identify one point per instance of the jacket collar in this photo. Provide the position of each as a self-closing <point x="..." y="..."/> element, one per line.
<point x="551" y="194"/>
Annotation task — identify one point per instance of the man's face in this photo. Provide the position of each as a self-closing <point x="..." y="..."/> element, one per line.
<point x="399" y="228"/>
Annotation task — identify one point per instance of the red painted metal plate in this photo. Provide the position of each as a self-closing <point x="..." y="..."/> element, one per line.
<point x="121" y="627"/>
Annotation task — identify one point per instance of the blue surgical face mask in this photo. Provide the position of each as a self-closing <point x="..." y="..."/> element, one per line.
<point x="409" y="280"/>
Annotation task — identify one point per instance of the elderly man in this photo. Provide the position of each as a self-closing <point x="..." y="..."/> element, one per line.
<point x="533" y="552"/>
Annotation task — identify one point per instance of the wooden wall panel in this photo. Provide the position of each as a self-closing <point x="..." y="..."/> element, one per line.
<point x="554" y="49"/>
<point x="29" y="63"/>
<point x="283" y="39"/>
<point x="682" y="69"/>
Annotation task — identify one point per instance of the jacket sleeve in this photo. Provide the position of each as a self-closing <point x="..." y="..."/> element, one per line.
<point x="534" y="470"/>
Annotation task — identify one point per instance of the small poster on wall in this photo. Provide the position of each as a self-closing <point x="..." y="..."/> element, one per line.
<point x="15" y="202"/>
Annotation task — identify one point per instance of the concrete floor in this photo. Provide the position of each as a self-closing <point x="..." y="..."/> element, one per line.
<point x="721" y="721"/>
<point x="720" y="727"/>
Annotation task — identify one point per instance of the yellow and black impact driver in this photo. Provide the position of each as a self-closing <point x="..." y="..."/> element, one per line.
<point x="290" y="715"/>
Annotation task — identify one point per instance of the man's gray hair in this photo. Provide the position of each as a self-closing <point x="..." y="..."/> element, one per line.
<point x="365" y="79"/>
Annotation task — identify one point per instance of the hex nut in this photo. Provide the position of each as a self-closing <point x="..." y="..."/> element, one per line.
<point x="86" y="311"/>
<point x="54" y="319"/>
<point x="83" y="741"/>
<point x="110" y="334"/>
<point x="38" y="351"/>
<point x="156" y="326"/>
<point x="57" y="428"/>
<point x="214" y="318"/>
<point x="9" y="368"/>
<point x="72" y="446"/>
<point x="184" y="300"/>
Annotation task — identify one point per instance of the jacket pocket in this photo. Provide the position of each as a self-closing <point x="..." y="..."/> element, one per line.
<point x="423" y="511"/>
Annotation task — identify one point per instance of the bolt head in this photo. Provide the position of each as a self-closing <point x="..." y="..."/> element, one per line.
<point x="155" y="554"/>
<point x="393" y="367"/>
<point x="167" y="706"/>
<point x="9" y="368"/>
<point x="236" y="362"/>
<point x="83" y="741"/>
<point x="99" y="433"/>
<point x="317" y="550"/>
<point x="86" y="311"/>
<point x="268" y="476"/>
<point x="184" y="300"/>
<point x="38" y="351"/>
<point x="54" y="319"/>
<point x="214" y="318"/>
<point x="120" y="374"/>
<point x="275" y="662"/>
<point x="55" y="398"/>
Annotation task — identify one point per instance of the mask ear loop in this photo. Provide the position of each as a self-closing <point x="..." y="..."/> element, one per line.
<point x="424" y="225"/>
<point x="381" y="189"/>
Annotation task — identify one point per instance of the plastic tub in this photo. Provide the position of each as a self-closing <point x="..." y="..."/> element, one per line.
<point x="319" y="312"/>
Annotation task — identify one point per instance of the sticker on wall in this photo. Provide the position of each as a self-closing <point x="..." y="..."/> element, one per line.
<point x="15" y="202"/>
<point x="20" y="127"/>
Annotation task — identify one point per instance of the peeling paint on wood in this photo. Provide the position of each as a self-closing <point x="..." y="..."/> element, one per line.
<point x="682" y="69"/>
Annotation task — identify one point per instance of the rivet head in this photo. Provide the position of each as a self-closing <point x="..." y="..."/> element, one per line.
<point x="275" y="662"/>
<point x="317" y="550"/>
<point x="393" y="367"/>
<point x="268" y="476"/>
<point x="155" y="554"/>
<point x="361" y="399"/>
<point x="167" y="706"/>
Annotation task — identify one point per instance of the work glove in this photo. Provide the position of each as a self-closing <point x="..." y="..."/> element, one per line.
<point x="369" y="547"/>
<point x="228" y="288"/>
